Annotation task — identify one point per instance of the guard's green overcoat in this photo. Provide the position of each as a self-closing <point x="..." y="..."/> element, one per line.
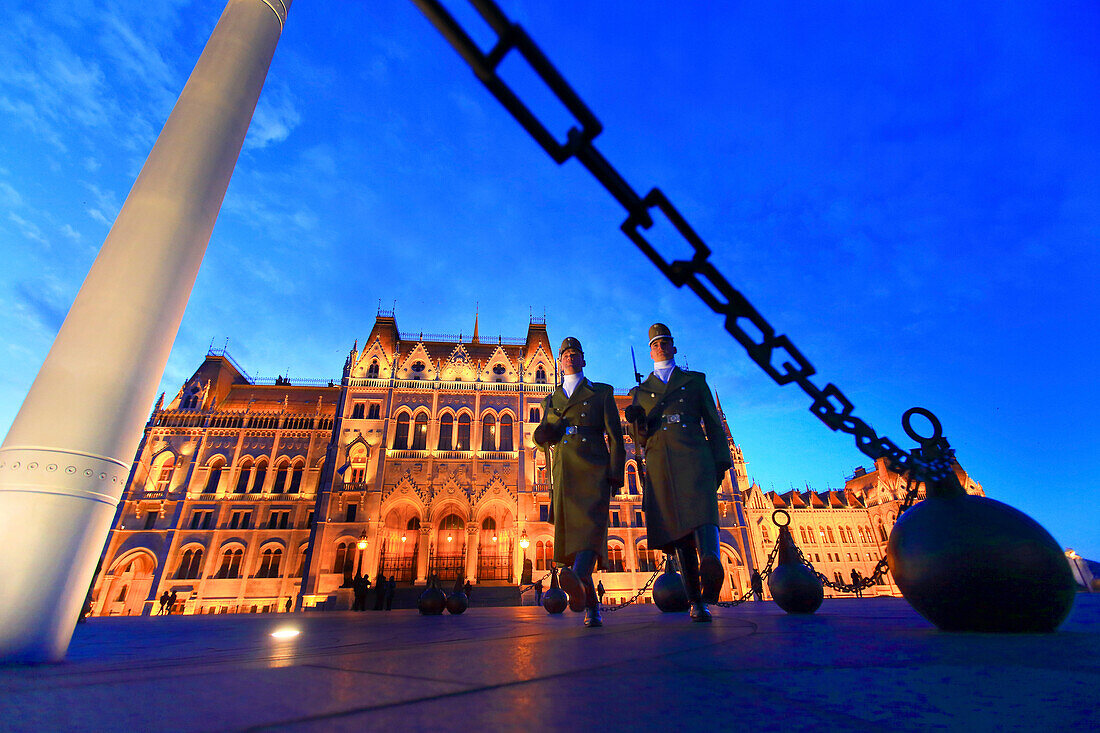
<point x="586" y="463"/>
<point x="683" y="456"/>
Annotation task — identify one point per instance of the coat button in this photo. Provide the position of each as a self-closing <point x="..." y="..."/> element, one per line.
<point x="652" y="395"/>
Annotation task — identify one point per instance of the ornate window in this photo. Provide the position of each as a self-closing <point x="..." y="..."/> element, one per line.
<point x="261" y="476"/>
<point x="231" y="564"/>
<point x="244" y="473"/>
<point x="631" y="479"/>
<point x="830" y="531"/>
<point x="463" y="442"/>
<point x="374" y="411"/>
<point x="488" y="432"/>
<point x="190" y="565"/>
<point x="615" y="559"/>
<point x="505" y="432"/>
<point x="214" y="478"/>
<point x="446" y="430"/>
<point x="544" y="555"/>
<point x="269" y="563"/>
<point x="345" y="559"/>
<point x="540" y="375"/>
<point x="534" y="415"/>
<point x="164" y="472"/>
<point x="357" y="411"/>
<point x="499" y="370"/>
<point x="420" y="432"/>
<point x="401" y="434"/>
<point x="372" y="370"/>
<point x="296" y="472"/>
<point x="280" y="478"/>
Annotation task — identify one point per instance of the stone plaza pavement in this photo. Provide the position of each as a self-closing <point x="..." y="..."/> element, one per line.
<point x="869" y="664"/>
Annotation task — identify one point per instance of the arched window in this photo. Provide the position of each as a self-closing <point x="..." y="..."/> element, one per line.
<point x="245" y="472"/>
<point x="214" y="478"/>
<point x="463" y="441"/>
<point x="646" y="560"/>
<point x="296" y="472"/>
<point x="544" y="555"/>
<point x="372" y="370"/>
<point x="164" y="473"/>
<point x="190" y="565"/>
<point x="345" y="559"/>
<point x="764" y="534"/>
<point x="401" y="434"/>
<point x="821" y="531"/>
<point x="451" y="531"/>
<point x="280" y="478"/>
<point x="414" y="524"/>
<point x="862" y="536"/>
<point x="446" y="431"/>
<point x="231" y="564"/>
<point x="540" y="375"/>
<point x="420" y="432"/>
<point x="882" y="531"/>
<point x="261" y="477"/>
<point x="534" y="415"/>
<point x="830" y="531"/>
<point x="802" y="531"/>
<point x="489" y="524"/>
<point x="505" y="432"/>
<point x="269" y="563"/>
<point x="191" y="401"/>
<point x="488" y="432"/>
<point x="631" y="479"/>
<point x="615" y="559"/>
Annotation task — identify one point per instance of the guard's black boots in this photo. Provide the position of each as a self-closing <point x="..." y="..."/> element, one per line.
<point x="592" y="610"/>
<point x="710" y="562"/>
<point x="689" y="573"/>
<point x="577" y="582"/>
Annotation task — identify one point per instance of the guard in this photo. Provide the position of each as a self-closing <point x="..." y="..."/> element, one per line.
<point x="581" y="420"/>
<point x="673" y="417"/>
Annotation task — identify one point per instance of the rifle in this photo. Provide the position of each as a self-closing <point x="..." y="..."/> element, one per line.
<point x="639" y="445"/>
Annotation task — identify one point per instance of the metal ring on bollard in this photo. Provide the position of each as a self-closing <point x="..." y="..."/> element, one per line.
<point x="937" y="429"/>
<point x="785" y="514"/>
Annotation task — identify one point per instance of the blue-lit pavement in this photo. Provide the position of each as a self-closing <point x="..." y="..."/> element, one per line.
<point x="855" y="665"/>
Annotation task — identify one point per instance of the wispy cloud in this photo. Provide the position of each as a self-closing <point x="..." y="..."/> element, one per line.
<point x="43" y="301"/>
<point x="275" y="117"/>
<point x="30" y="230"/>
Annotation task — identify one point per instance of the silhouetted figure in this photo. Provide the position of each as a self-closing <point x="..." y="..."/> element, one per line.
<point x="289" y="605"/>
<point x="163" y="603"/>
<point x="538" y="592"/>
<point x="360" y="587"/>
<point x="391" y="590"/>
<point x="525" y="575"/>
<point x="380" y="592"/>
<point x="466" y="590"/>
<point x="600" y="590"/>
<point x="172" y="602"/>
<point x="757" y="585"/>
<point x="856" y="580"/>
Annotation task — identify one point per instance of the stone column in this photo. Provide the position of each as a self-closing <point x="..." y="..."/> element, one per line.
<point x="64" y="462"/>
<point x="472" y="545"/>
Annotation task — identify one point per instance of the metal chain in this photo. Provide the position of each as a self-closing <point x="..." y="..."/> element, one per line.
<point x="881" y="568"/>
<point x="763" y="575"/>
<point x="742" y="320"/>
<point x="611" y="609"/>
<point x="523" y="588"/>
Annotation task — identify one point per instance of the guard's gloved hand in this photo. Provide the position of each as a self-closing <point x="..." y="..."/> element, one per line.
<point x="548" y="433"/>
<point x="634" y="414"/>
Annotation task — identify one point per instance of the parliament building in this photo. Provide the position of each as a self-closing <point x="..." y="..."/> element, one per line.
<point x="252" y="497"/>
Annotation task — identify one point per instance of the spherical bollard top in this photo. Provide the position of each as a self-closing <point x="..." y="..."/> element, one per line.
<point x="554" y="600"/>
<point x="668" y="591"/>
<point x="793" y="586"/>
<point x="432" y="601"/>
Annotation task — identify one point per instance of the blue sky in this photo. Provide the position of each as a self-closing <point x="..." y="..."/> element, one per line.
<point x="912" y="194"/>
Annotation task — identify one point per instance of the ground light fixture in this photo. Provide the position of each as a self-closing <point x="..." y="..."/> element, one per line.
<point x="285" y="632"/>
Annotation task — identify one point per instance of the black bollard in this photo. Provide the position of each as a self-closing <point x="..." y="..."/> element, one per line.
<point x="457" y="602"/>
<point x="969" y="563"/>
<point x="554" y="600"/>
<point x="668" y="590"/>
<point x="432" y="601"/>
<point x="794" y="587"/>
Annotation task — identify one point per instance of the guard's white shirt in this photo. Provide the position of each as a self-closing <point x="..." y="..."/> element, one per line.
<point x="663" y="369"/>
<point x="569" y="382"/>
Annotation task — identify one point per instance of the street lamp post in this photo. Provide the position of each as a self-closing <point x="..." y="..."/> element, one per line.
<point x="362" y="545"/>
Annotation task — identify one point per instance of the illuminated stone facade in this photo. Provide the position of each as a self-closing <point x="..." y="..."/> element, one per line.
<point x="251" y="497"/>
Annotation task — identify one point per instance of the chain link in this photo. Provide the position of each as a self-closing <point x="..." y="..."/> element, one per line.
<point x="524" y="588"/>
<point x="742" y="320"/>
<point x="610" y="609"/>
<point x="763" y="576"/>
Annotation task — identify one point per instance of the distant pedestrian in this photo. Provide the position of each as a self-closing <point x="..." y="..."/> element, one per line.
<point x="857" y="581"/>
<point x="538" y="592"/>
<point x="600" y="590"/>
<point x="360" y="587"/>
<point x="466" y="589"/>
<point x="289" y="605"/>
<point x="756" y="583"/>
<point x="163" y="603"/>
<point x="391" y="590"/>
<point x="380" y="592"/>
<point x="172" y="602"/>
